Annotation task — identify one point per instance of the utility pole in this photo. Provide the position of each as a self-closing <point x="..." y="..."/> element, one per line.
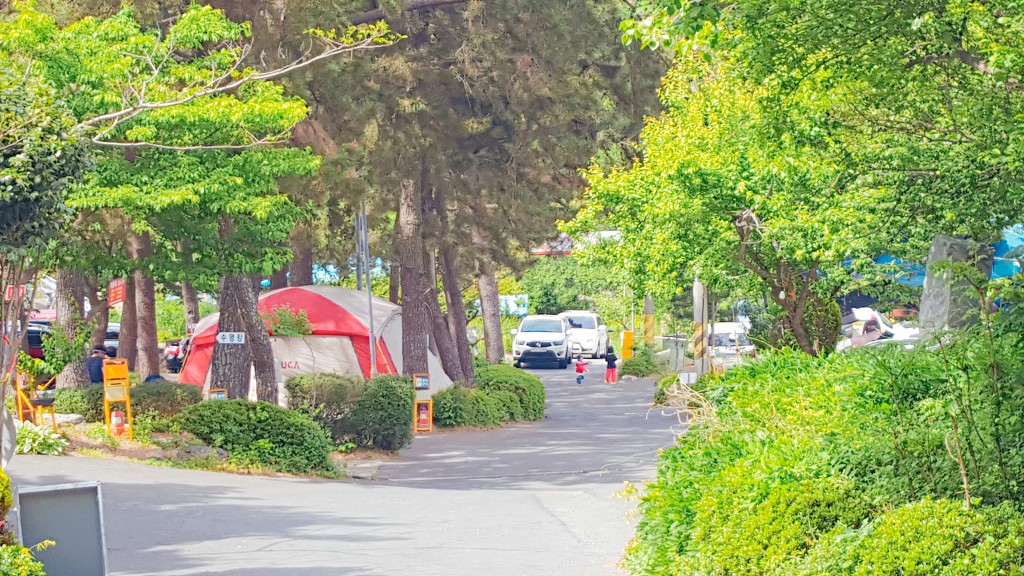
<point x="700" y="325"/>
<point x="363" y="261"/>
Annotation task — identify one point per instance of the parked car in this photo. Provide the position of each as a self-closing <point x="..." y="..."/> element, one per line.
<point x="112" y="338"/>
<point x="587" y="333"/>
<point x="729" y="339"/>
<point x="542" y="339"/>
<point x="33" y="342"/>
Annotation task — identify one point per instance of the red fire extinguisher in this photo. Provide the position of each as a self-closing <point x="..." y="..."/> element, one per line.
<point x="117" y="422"/>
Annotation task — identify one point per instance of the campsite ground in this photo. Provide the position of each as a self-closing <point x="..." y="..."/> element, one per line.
<point x="528" y="499"/>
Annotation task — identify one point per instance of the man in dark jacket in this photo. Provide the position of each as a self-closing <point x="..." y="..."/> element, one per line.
<point x="95" y="364"/>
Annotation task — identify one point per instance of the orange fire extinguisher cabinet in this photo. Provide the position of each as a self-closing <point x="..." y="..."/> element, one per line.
<point x="117" y="422"/>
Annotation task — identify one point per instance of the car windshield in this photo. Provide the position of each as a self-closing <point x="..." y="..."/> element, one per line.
<point x="730" y="340"/>
<point x="541" y="325"/>
<point x="586" y="322"/>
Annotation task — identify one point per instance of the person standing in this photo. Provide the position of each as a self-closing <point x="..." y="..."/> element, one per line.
<point x="611" y="374"/>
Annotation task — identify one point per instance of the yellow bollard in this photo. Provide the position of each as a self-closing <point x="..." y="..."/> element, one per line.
<point x="627" y="344"/>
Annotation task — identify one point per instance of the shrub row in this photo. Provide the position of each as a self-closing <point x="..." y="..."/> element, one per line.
<point x="842" y="466"/>
<point x="503" y="394"/>
<point x="163" y="398"/>
<point x="377" y="413"/>
<point x="259" y="433"/>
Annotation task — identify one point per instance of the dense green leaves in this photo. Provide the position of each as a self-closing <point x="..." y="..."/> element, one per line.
<point x="862" y="463"/>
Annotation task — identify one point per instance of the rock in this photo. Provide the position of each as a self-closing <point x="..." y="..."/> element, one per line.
<point x="154" y="455"/>
<point x="950" y="302"/>
<point x="63" y="419"/>
<point x="627" y="377"/>
<point x="201" y="452"/>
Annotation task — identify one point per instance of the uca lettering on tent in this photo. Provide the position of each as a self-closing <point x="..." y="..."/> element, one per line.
<point x="286" y="365"/>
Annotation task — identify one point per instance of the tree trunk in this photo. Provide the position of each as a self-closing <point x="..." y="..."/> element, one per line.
<point x="190" y="299"/>
<point x="256" y="338"/>
<point x="279" y="279"/>
<point x="490" y="306"/>
<point x="230" y="366"/>
<point x="128" y="339"/>
<point x="394" y="281"/>
<point x="71" y="293"/>
<point x="416" y="317"/>
<point x="140" y="247"/>
<point x="302" y="264"/>
<point x="803" y="339"/>
<point x="102" y="315"/>
<point x="446" y="347"/>
<point x="453" y="292"/>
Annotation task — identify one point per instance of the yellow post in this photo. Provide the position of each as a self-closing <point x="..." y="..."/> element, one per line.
<point x="627" y="344"/>
<point x="649" y="321"/>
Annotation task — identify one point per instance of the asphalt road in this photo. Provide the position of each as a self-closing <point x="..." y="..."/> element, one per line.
<point x="530" y="499"/>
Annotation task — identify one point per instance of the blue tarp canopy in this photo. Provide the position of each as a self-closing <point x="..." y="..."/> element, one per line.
<point x="1006" y="264"/>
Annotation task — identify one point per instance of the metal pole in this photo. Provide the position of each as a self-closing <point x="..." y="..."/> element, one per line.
<point x="359" y="249"/>
<point x="369" y="289"/>
<point x="700" y="325"/>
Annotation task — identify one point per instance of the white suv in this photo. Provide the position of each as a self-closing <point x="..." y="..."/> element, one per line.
<point x="587" y="332"/>
<point x="542" y="339"/>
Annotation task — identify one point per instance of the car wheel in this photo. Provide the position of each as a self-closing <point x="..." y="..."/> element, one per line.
<point x="517" y="364"/>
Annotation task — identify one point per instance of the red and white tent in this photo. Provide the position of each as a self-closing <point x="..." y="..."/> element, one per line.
<point x="340" y="341"/>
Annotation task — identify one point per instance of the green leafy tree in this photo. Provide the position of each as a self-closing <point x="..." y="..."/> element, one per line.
<point x="188" y="123"/>
<point x="740" y="186"/>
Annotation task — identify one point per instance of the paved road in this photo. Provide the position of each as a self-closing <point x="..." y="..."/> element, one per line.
<point x="531" y="499"/>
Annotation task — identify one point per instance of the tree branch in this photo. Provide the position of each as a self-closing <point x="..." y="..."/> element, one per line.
<point x="221" y="85"/>
<point x="971" y="59"/>
<point x="411" y="6"/>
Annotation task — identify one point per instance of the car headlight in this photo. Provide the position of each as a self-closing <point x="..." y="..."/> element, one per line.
<point x="520" y="342"/>
<point x="558" y="342"/>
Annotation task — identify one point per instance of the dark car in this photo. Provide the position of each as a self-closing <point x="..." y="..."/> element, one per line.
<point x="34" y="339"/>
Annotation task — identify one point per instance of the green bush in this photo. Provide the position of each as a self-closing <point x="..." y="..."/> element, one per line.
<point x="261" y="433"/>
<point x="163" y="398"/>
<point x="88" y="402"/>
<point x="18" y="561"/>
<point x="662" y="387"/>
<point x="842" y="466"/>
<point x="460" y="406"/>
<point x="642" y="364"/>
<point x="526" y="386"/>
<point x="507" y="402"/>
<point x="383" y="416"/>
<point x="327" y="398"/>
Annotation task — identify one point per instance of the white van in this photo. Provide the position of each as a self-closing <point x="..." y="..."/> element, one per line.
<point x="588" y="333"/>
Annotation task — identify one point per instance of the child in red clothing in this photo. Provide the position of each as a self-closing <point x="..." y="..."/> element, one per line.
<point x="581" y="369"/>
<point x="611" y="375"/>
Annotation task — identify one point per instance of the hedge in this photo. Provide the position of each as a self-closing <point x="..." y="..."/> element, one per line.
<point x="261" y="433"/>
<point x="842" y="466"/>
<point x="527" y="387"/>
<point x="383" y="416"/>
<point x="163" y="398"/>
<point x="327" y="398"/>
<point x="460" y="406"/>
